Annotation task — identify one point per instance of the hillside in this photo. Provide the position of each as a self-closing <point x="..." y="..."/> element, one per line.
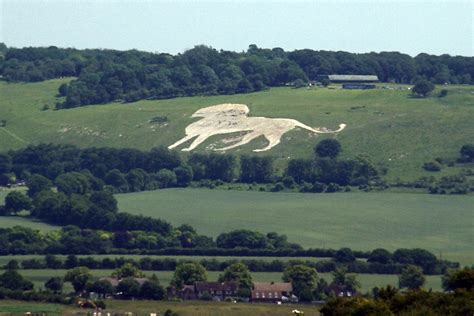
<point x="362" y="221"/>
<point x="394" y="130"/>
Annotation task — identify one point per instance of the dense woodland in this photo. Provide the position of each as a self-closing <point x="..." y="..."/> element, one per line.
<point x="109" y="75"/>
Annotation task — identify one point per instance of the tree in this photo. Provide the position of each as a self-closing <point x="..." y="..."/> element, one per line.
<point x="303" y="278"/>
<point x="467" y="151"/>
<point x="37" y="183"/>
<point x="240" y="273"/>
<point x="54" y="284"/>
<point x="411" y="277"/>
<point x="72" y="182"/>
<point x="188" y="273"/>
<point x="12" y="265"/>
<point x="16" y="201"/>
<point x="461" y="279"/>
<point x="104" y="200"/>
<point x="328" y="148"/>
<point x="349" y="281"/>
<point x="52" y="262"/>
<point x="184" y="175"/>
<point x="13" y="280"/>
<point x="152" y="290"/>
<point x="423" y="87"/>
<point x="325" y="82"/>
<point x="78" y="277"/>
<point x="101" y="287"/>
<point x="380" y="256"/>
<point x="344" y="255"/>
<point x="128" y="270"/>
<point x="242" y="238"/>
<point x="129" y="288"/>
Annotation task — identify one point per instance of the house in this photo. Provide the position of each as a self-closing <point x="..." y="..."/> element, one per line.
<point x="186" y="293"/>
<point x="216" y="290"/>
<point x="272" y="292"/>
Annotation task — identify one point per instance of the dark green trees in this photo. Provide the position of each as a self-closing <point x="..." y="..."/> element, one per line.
<point x="304" y="280"/>
<point x="188" y="273"/>
<point x="328" y="148"/>
<point x="423" y="88"/>
<point x="411" y="277"/>
<point x="16" y="201"/>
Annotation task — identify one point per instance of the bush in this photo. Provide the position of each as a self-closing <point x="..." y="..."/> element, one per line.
<point x="432" y="166"/>
<point x="443" y="93"/>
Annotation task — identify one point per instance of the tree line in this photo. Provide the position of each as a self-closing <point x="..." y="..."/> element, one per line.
<point x="81" y="171"/>
<point x="373" y="265"/>
<point x="110" y="75"/>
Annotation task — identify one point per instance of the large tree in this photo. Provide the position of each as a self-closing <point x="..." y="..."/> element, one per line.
<point x="78" y="277"/>
<point x="16" y="201"/>
<point x="188" y="273"/>
<point x="304" y="280"/>
<point x="240" y="273"/>
<point x="328" y="148"/>
<point x="411" y="277"/>
<point x="423" y="88"/>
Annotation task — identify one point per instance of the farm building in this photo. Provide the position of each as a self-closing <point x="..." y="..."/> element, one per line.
<point x="357" y="86"/>
<point x="272" y="292"/>
<point x="353" y="78"/>
<point x="217" y="290"/>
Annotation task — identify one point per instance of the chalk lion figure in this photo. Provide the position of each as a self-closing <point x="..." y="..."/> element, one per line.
<point x="232" y="118"/>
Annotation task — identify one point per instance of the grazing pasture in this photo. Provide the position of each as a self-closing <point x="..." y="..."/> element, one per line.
<point x="362" y="221"/>
<point x="393" y="129"/>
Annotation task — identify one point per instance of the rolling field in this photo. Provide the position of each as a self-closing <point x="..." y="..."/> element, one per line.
<point x="394" y="130"/>
<point x="368" y="281"/>
<point x="362" y="221"/>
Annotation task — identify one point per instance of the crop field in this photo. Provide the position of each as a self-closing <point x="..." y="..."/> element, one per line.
<point x="362" y="221"/>
<point x="368" y="281"/>
<point x="393" y="129"/>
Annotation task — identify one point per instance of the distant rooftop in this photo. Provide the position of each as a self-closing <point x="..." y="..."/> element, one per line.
<point x="353" y="78"/>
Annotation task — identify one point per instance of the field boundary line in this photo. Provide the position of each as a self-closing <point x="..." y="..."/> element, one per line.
<point x="13" y="135"/>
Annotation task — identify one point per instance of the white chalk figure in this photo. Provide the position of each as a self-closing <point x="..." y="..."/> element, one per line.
<point x="232" y="118"/>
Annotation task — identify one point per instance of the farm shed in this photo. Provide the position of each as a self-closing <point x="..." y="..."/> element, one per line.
<point x="353" y="78"/>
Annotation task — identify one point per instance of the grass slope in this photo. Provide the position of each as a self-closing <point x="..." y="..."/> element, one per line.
<point x="363" y="221"/>
<point x="393" y="129"/>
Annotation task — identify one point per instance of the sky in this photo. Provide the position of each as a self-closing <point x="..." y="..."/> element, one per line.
<point x="412" y="27"/>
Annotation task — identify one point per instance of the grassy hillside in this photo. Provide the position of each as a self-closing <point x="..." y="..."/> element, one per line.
<point x="393" y="129"/>
<point x="363" y="221"/>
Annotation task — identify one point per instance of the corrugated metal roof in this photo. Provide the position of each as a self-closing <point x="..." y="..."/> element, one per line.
<point x="353" y="78"/>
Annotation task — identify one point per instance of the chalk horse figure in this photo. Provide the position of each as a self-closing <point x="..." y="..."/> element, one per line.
<point x="232" y="118"/>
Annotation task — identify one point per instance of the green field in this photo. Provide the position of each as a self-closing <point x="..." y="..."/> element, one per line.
<point x="393" y="129"/>
<point x="11" y="221"/>
<point x="368" y="281"/>
<point x="362" y="221"/>
<point x="144" y="308"/>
